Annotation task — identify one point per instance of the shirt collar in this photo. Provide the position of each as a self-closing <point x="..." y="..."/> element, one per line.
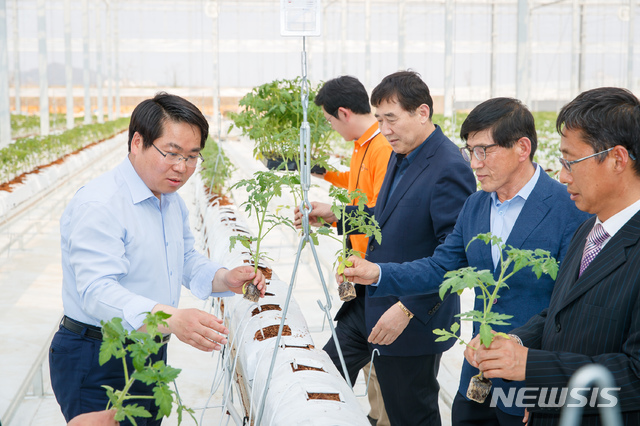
<point x="371" y="133"/>
<point x="138" y="189"/>
<point x="618" y="220"/>
<point x="525" y="191"/>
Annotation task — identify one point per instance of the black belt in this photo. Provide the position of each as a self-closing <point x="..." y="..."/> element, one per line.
<point x="92" y="331"/>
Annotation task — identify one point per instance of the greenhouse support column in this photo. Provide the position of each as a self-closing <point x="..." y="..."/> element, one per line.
<point x="99" y="65"/>
<point x="68" y="65"/>
<point x="522" y="57"/>
<point x="448" y="59"/>
<point x="325" y="42"/>
<point x="85" y="62"/>
<point x="42" y="66"/>
<point x="575" y="50"/>
<point x="5" y="118"/>
<point x="367" y="43"/>
<point x="632" y="19"/>
<point x="215" y="24"/>
<point x="581" y="50"/>
<point x="401" y="34"/>
<point x="109" y="65"/>
<point x="16" y="59"/>
<point x="343" y="42"/>
<point x="116" y="59"/>
<point x="494" y="53"/>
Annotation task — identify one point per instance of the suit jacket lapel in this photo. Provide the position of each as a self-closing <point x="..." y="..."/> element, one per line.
<point x="384" y="189"/>
<point x="608" y="260"/>
<point x="418" y="164"/>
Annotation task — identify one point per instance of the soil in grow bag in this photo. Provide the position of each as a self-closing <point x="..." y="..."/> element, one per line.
<point x="479" y="388"/>
<point x="301" y="367"/>
<point x="324" y="396"/>
<point x="263" y="308"/>
<point x="267" y="272"/>
<point x="346" y="291"/>
<point x="271" y="331"/>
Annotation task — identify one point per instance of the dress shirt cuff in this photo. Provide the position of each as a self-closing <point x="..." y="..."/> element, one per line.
<point x="376" y="284"/>
<point x="201" y="283"/>
<point x="135" y="311"/>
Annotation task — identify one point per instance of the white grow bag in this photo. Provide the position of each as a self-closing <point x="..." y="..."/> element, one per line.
<point x="290" y="399"/>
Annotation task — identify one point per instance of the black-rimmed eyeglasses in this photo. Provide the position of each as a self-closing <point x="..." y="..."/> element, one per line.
<point x="173" y="158"/>
<point x="479" y="151"/>
<point x="567" y="164"/>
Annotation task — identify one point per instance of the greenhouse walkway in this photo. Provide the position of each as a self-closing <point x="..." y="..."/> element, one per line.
<point x="31" y="305"/>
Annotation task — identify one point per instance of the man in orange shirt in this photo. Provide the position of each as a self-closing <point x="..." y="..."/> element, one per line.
<point x="345" y="104"/>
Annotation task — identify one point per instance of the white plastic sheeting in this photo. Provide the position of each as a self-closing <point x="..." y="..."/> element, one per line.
<point x="301" y="372"/>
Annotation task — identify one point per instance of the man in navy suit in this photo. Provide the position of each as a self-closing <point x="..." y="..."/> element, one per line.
<point x="594" y="313"/>
<point x="519" y="203"/>
<point x="426" y="184"/>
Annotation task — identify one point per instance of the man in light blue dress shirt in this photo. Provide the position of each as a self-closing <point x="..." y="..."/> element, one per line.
<point x="127" y="249"/>
<point x="519" y="203"/>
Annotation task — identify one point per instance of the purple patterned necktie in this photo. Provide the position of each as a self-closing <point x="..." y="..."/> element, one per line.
<point x="596" y="237"/>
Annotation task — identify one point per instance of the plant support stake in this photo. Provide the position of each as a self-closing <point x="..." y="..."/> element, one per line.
<point x="305" y="208"/>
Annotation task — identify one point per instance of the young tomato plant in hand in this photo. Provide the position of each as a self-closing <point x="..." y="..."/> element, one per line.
<point x="117" y="342"/>
<point x="356" y="221"/>
<point x="483" y="283"/>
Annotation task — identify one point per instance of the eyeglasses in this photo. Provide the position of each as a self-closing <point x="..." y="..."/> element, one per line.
<point x="567" y="164"/>
<point x="173" y="158"/>
<point x="479" y="151"/>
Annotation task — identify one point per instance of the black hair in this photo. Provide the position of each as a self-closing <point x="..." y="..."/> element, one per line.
<point x="407" y="87"/>
<point x="149" y="116"/>
<point x="508" y="119"/>
<point x="605" y="117"/>
<point x="346" y="92"/>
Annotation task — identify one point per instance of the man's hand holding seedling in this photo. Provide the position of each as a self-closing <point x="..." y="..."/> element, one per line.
<point x="200" y="329"/>
<point x="505" y="358"/>
<point x="361" y="272"/>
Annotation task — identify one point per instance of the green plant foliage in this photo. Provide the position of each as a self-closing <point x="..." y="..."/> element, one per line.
<point x="358" y="221"/>
<point x="26" y="154"/>
<point x="261" y="190"/>
<point x="457" y="281"/>
<point x="118" y="343"/>
<point x="271" y="115"/>
<point x="25" y="125"/>
<point x="216" y="168"/>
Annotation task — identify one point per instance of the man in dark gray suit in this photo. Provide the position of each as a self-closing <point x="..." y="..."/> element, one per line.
<point x="594" y="313"/>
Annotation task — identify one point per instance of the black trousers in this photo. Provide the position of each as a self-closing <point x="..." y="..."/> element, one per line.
<point x="77" y="377"/>
<point x="408" y="384"/>
<point x="468" y="413"/>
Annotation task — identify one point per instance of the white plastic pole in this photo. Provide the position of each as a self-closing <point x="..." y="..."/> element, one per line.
<point x="367" y="43"/>
<point x="16" y="58"/>
<point x="5" y="117"/>
<point x="343" y="33"/>
<point x="401" y="34"/>
<point x="116" y="54"/>
<point x="42" y="66"/>
<point x="575" y="49"/>
<point x="522" y="55"/>
<point x="448" y="59"/>
<point x="85" y="62"/>
<point x="632" y="19"/>
<point x="68" y="65"/>
<point x="494" y="54"/>
<point x="109" y="64"/>
<point x="99" y="65"/>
